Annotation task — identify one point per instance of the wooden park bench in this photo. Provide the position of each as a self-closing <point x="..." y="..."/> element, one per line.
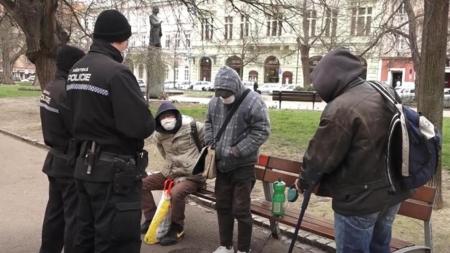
<point x="299" y="96"/>
<point x="270" y="169"/>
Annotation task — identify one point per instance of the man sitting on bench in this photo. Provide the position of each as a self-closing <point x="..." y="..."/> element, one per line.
<point x="179" y="139"/>
<point x="347" y="156"/>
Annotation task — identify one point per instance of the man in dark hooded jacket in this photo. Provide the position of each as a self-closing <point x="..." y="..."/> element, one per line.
<point x="60" y="214"/>
<point x="111" y="119"/>
<point x="347" y="155"/>
<point x="236" y="154"/>
<point x="179" y="139"/>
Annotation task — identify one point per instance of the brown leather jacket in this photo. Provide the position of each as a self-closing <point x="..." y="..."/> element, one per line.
<point x="348" y="151"/>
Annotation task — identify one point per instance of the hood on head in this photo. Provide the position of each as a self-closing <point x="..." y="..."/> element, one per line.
<point x="228" y="79"/>
<point x="167" y="106"/>
<point x="334" y="72"/>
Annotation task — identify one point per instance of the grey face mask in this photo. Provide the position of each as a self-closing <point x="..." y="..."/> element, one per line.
<point x="228" y="100"/>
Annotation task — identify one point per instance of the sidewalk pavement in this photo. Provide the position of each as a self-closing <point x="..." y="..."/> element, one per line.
<point x="24" y="191"/>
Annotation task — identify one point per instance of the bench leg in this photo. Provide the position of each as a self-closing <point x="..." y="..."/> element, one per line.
<point x="275" y="229"/>
<point x="428" y="234"/>
<point x="268" y="192"/>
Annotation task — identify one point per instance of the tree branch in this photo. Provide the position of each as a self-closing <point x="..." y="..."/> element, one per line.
<point x="8" y="4"/>
<point x="72" y="10"/>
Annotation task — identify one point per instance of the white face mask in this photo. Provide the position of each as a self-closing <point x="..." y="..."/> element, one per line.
<point x="168" y="123"/>
<point x="228" y="100"/>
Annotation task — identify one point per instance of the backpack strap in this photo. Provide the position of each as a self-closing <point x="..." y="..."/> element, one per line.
<point x="195" y="136"/>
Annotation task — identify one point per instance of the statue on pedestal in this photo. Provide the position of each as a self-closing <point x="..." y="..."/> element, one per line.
<point x="155" y="30"/>
<point x="155" y="73"/>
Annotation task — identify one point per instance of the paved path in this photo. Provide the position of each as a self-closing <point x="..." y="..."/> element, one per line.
<point x="23" y="197"/>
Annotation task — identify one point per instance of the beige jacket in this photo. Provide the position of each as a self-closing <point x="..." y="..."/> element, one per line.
<point x="179" y="150"/>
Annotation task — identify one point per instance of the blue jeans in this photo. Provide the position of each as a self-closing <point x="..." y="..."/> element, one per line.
<point x="366" y="233"/>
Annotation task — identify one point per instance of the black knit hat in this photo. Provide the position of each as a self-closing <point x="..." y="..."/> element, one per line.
<point x="67" y="56"/>
<point x="112" y="26"/>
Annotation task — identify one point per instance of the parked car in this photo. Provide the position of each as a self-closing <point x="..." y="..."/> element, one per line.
<point x="407" y="94"/>
<point x="248" y="84"/>
<point x="203" y="85"/>
<point x="269" y="87"/>
<point x="289" y="87"/>
<point x="142" y="85"/>
<point x="169" y="85"/>
<point x="185" y="85"/>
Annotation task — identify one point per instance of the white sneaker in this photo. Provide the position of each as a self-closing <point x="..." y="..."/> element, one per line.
<point x="223" y="249"/>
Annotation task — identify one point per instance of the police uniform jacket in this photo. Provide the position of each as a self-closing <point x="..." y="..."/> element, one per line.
<point x="107" y="104"/>
<point x="55" y="121"/>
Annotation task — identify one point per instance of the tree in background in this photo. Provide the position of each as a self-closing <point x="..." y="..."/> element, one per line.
<point x="43" y="33"/>
<point x="11" y="47"/>
<point x="432" y="71"/>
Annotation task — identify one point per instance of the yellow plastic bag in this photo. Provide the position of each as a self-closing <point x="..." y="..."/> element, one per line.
<point x="160" y="225"/>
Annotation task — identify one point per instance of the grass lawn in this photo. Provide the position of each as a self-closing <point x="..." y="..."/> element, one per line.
<point x="19" y="90"/>
<point x="292" y="130"/>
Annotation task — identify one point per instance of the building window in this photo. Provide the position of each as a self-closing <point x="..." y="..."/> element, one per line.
<point x="311" y="17"/>
<point x="186" y="73"/>
<point x="141" y="71"/>
<point x="401" y="9"/>
<point x="177" y="40"/>
<point x="167" y="72"/>
<point x="361" y="21"/>
<point x="330" y="22"/>
<point x="274" y="25"/>
<point x="207" y="28"/>
<point x="245" y="26"/>
<point x="167" y="41"/>
<point x="228" y="28"/>
<point x="188" y="40"/>
<point x="175" y="73"/>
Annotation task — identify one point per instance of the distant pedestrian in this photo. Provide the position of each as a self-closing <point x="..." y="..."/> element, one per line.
<point x="59" y="225"/>
<point x="236" y="154"/>
<point x="347" y="156"/>
<point x="111" y="119"/>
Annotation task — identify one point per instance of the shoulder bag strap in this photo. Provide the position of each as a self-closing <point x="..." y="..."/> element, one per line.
<point x="229" y="115"/>
<point x="194" y="134"/>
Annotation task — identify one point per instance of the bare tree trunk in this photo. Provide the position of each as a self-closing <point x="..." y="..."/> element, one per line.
<point x="43" y="33"/>
<point x="413" y="42"/>
<point x="432" y="65"/>
<point x="304" y="52"/>
<point x="6" y="64"/>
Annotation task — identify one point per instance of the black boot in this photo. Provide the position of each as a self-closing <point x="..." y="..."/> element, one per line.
<point x="175" y="233"/>
<point x="145" y="225"/>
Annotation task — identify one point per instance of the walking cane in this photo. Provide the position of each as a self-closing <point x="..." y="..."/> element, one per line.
<point x="306" y="197"/>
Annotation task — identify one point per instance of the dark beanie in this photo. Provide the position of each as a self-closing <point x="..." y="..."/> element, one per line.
<point x="67" y="56"/>
<point x="112" y="26"/>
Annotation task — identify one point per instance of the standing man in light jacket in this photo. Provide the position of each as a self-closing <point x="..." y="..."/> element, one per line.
<point x="111" y="119"/>
<point x="60" y="215"/>
<point x="347" y="156"/>
<point x="236" y="155"/>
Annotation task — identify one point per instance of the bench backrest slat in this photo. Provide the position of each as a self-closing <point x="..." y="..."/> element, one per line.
<point x="416" y="209"/>
<point x="270" y="169"/>
<point x="284" y="165"/>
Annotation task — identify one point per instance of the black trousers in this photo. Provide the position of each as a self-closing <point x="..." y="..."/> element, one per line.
<point x="109" y="213"/>
<point x="233" y="201"/>
<point x="59" y="225"/>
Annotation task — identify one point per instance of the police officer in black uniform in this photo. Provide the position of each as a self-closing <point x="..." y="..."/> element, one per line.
<point x="111" y="119"/>
<point x="60" y="215"/>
